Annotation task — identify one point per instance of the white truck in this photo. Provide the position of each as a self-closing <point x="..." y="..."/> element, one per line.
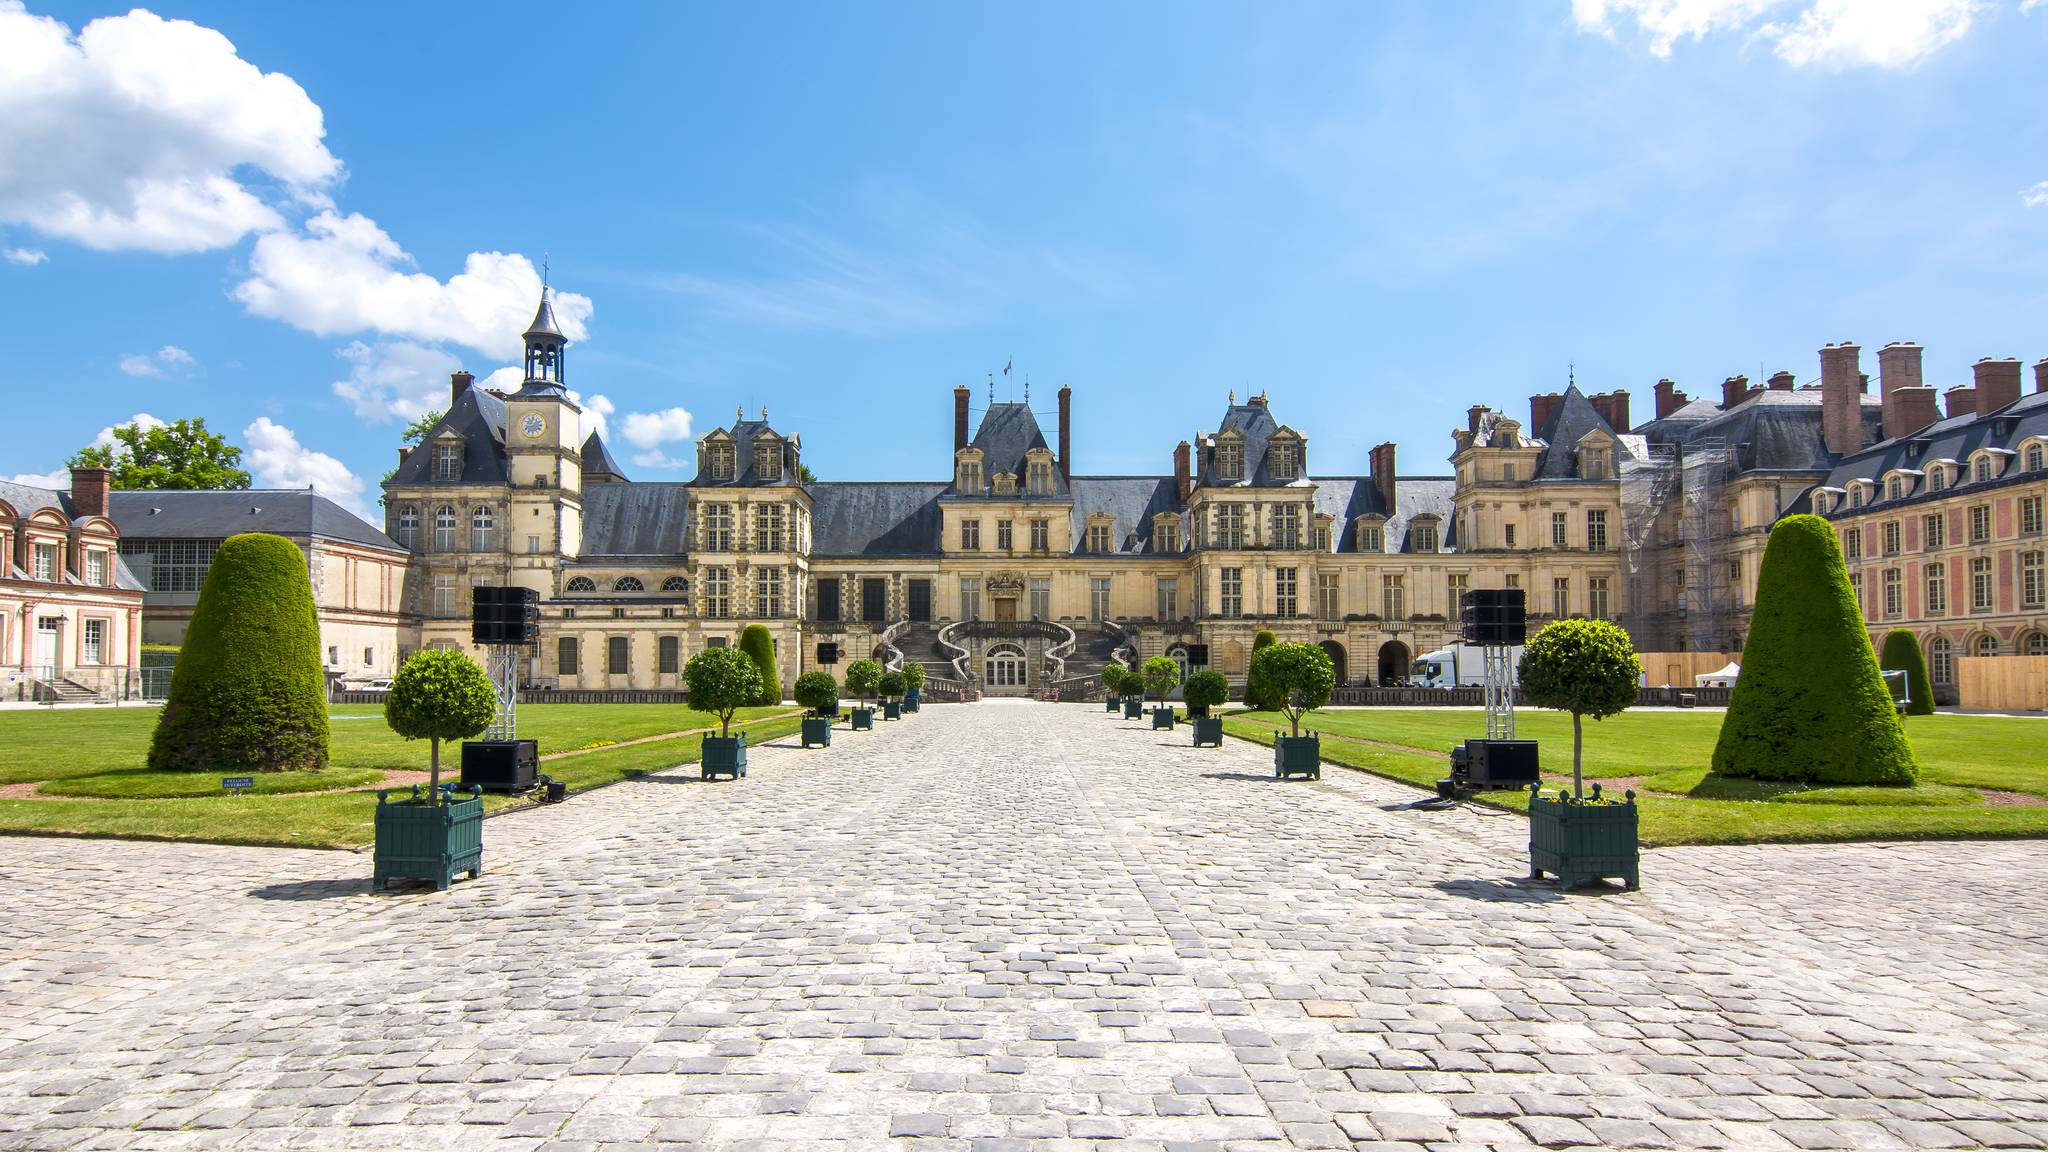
<point x="1456" y="666"/>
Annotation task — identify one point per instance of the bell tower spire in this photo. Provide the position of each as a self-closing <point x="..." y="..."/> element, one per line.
<point x="544" y="345"/>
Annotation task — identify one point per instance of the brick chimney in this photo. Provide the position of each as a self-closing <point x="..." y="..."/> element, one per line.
<point x="960" y="395"/>
<point x="1783" y="382"/>
<point x="1066" y="445"/>
<point x="1183" y="480"/>
<point x="1735" y="390"/>
<point x="1669" y="398"/>
<point x="1916" y="409"/>
<point x="1998" y="384"/>
<point x="1540" y="408"/>
<point x="1613" y="408"/>
<point x="1960" y="400"/>
<point x="1841" y="398"/>
<point x="1383" y="474"/>
<point x="2041" y="374"/>
<point x="458" y="383"/>
<point x="89" y="488"/>
<point x="1898" y="366"/>
<point x="1475" y="412"/>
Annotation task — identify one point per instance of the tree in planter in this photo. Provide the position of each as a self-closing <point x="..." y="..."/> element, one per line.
<point x="891" y="685"/>
<point x="1113" y="677"/>
<point x="864" y="678"/>
<point x="1810" y="704"/>
<point x="1298" y="678"/>
<point x="1584" y="667"/>
<point x="819" y="692"/>
<point x="913" y="676"/>
<point x="1205" y="690"/>
<point x="721" y="681"/>
<point x="1902" y="654"/>
<point x="1256" y="696"/>
<point x="1161" y="676"/>
<point x="439" y="694"/>
<point x="760" y="648"/>
<point x="248" y="692"/>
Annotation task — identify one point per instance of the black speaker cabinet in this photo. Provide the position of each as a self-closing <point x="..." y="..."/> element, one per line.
<point x="500" y="765"/>
<point x="1492" y="764"/>
<point x="1198" y="655"/>
<point x="828" y="652"/>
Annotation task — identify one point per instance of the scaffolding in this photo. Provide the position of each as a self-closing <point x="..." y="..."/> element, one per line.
<point x="1703" y="531"/>
<point x="1675" y="528"/>
<point x="1648" y="487"/>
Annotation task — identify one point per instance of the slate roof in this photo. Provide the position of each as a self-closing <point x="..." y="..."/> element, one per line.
<point x="875" y="518"/>
<point x="479" y="418"/>
<point x="544" y="320"/>
<point x="1132" y="502"/>
<point x="216" y="514"/>
<point x="1776" y="431"/>
<point x="644" y="519"/>
<point x="26" y="498"/>
<point x="1346" y="498"/>
<point x="743" y="433"/>
<point x="1007" y="431"/>
<point x="1254" y="422"/>
<point x="597" y="460"/>
<point x="1954" y="438"/>
<point x="1573" y="419"/>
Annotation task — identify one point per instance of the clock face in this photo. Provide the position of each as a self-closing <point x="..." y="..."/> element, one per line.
<point x="533" y="425"/>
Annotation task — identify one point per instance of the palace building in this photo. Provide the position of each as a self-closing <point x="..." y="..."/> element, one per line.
<point x="1012" y="570"/>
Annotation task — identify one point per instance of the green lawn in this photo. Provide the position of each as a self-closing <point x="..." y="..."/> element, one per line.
<point x="175" y="806"/>
<point x="1666" y="754"/>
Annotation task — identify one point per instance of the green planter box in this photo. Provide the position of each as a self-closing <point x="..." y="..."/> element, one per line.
<point x="1208" y="730"/>
<point x="912" y="701"/>
<point x="1115" y="704"/>
<point x="1577" y="841"/>
<point x="1298" y="756"/>
<point x="421" y="843"/>
<point x="892" y="709"/>
<point x="863" y="719"/>
<point x="723" y="756"/>
<point x="1162" y="718"/>
<point x="1133" y="709"/>
<point x="817" y="730"/>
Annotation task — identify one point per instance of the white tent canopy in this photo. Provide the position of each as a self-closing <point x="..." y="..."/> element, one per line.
<point x="1724" y="678"/>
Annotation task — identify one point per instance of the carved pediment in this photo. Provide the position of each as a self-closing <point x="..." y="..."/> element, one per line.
<point x="1005" y="582"/>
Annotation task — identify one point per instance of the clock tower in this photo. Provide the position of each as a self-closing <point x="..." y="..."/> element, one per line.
<point x="543" y="442"/>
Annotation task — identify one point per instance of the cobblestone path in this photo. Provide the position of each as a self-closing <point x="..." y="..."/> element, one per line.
<point x="1017" y="925"/>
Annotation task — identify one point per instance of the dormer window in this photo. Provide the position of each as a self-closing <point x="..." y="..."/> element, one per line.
<point x="1166" y="533"/>
<point x="1422" y="535"/>
<point x="1040" y="482"/>
<point x="967" y="473"/>
<point x="1283" y="460"/>
<point x="2033" y="457"/>
<point x="1372" y="534"/>
<point x="1892" y="489"/>
<point x="448" y="461"/>
<point x="720" y="460"/>
<point x="767" y="459"/>
<point x="1006" y="484"/>
<point x="1229" y="458"/>
<point x="1593" y="465"/>
<point x="1856" y="494"/>
<point x="1099" y="528"/>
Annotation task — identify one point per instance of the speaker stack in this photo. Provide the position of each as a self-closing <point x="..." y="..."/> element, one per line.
<point x="504" y="616"/>
<point x="828" y="652"/>
<point x="1494" y="616"/>
<point x="1198" y="655"/>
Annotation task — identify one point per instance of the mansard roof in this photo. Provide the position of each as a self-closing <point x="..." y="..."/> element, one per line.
<point x="478" y="417"/>
<point x="1131" y="503"/>
<point x="27" y="498"/>
<point x="877" y="518"/>
<point x="644" y="519"/>
<point x="1346" y="498"/>
<point x="1775" y="431"/>
<point x="1955" y="438"/>
<point x="1007" y="433"/>
<point x="1254" y="424"/>
<point x="217" y="513"/>
<point x="743" y="433"/>
<point x="1573" y="419"/>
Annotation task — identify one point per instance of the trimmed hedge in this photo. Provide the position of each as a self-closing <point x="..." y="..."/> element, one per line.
<point x="760" y="648"/>
<point x="248" y="693"/>
<point x="1902" y="654"/>
<point x="1584" y="667"/>
<point x="1810" y="704"/>
<point x="721" y="681"/>
<point x="819" y="692"/>
<point x="1255" y="695"/>
<point x="1205" y="689"/>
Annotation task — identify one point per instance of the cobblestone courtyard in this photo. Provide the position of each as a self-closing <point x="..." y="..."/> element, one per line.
<point x="1018" y="925"/>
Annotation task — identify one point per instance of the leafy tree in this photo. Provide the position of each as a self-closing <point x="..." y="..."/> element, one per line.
<point x="913" y="675"/>
<point x="439" y="694"/>
<point x="864" y="678"/>
<point x="721" y="681"/>
<point x="819" y="692"/>
<point x="1205" y="689"/>
<point x="1255" y="694"/>
<point x="1810" y="704"/>
<point x="182" y="454"/>
<point x="760" y="648"/>
<point x="804" y="475"/>
<point x="1585" y="667"/>
<point x="1902" y="654"/>
<point x="248" y="692"/>
<point x="1298" y="677"/>
<point x="892" y="685"/>
<point x="1162" y="675"/>
<point x="1113" y="677"/>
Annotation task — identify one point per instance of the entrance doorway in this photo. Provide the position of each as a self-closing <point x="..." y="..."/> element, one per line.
<point x="921" y="601"/>
<point x="1336" y="654"/>
<point x="874" y="600"/>
<point x="46" y="642"/>
<point x="1006" y="608"/>
<point x="1004" y="670"/>
<point x="1395" y="662"/>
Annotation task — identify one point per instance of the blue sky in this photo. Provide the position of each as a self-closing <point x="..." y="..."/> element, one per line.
<point x="294" y="222"/>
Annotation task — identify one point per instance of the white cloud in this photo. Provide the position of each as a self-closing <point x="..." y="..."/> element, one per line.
<point x="27" y="257"/>
<point x="146" y="133"/>
<point x="2037" y="196"/>
<point x="1839" y="33"/>
<point x="597" y="413"/>
<point x="105" y="439"/>
<point x="277" y="460"/>
<point x="140" y="366"/>
<point x="60" y="480"/>
<point x="649" y="431"/>
<point x="345" y="274"/>
<point x="395" y="380"/>
<point x="172" y="354"/>
<point x="169" y="354"/>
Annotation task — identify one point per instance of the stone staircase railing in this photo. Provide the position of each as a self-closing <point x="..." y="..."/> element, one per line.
<point x="958" y="650"/>
<point x="1056" y="656"/>
<point x="1127" y="648"/>
<point x="892" y="656"/>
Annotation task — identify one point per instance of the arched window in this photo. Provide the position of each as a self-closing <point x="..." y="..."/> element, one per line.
<point x="1891" y="488"/>
<point x="582" y="584"/>
<point x="480" y="524"/>
<point x="1937" y="478"/>
<point x="675" y="584"/>
<point x="2034" y="454"/>
<point x="1004" y="667"/>
<point x="1987" y="645"/>
<point x="1941" y="660"/>
<point x="628" y="584"/>
<point x="409" y="526"/>
<point x="2036" y="644"/>
<point x="444" y="528"/>
<point x="1983" y="468"/>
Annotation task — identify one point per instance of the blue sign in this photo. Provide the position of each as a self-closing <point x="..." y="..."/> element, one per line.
<point x="238" y="783"/>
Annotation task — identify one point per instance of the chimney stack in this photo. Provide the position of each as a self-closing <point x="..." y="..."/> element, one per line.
<point x="2041" y="374"/>
<point x="89" y="488"/>
<point x="960" y="395"/>
<point x="1183" y="481"/>
<point x="1540" y="408"/>
<point x="458" y="383"/>
<point x="1066" y="445"/>
<point x="1898" y="366"/>
<point x="1613" y="408"/>
<point x="1475" y="412"/>
<point x="1784" y="382"/>
<point x="1841" y="403"/>
<point x="1916" y="408"/>
<point x="1383" y="475"/>
<point x="1669" y="398"/>
<point x="1960" y="400"/>
<point x="1734" y="390"/>
<point x="1998" y="384"/>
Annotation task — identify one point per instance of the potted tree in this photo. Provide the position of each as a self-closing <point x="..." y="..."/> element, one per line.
<point x="863" y="679"/>
<point x="913" y="685"/>
<point x="1587" y="668"/>
<point x="1161" y="676"/>
<point x="1112" y="684"/>
<point x="1297" y="679"/>
<point x="892" y="688"/>
<point x="1205" y="690"/>
<point x="819" y="693"/>
<point x="1130" y="687"/>
<point x="437" y="695"/>
<point x="721" y="682"/>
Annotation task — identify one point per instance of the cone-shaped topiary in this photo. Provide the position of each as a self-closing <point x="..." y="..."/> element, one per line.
<point x="1256" y="696"/>
<point x="439" y="695"/>
<point x="248" y="693"/>
<point x="1902" y="654"/>
<point x="1810" y="704"/>
<point x="760" y="648"/>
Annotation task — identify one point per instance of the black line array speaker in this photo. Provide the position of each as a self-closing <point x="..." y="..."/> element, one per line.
<point x="1494" y="616"/>
<point x="828" y="652"/>
<point x="504" y="615"/>
<point x="500" y="765"/>
<point x="1494" y="764"/>
<point x="1198" y="655"/>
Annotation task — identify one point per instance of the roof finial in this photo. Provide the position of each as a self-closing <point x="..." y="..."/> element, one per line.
<point x="739" y="413"/>
<point x="1027" y="388"/>
<point x="991" y="389"/>
<point x="1571" y="375"/>
<point x="764" y="413"/>
<point x="543" y="271"/>
<point x="1233" y="396"/>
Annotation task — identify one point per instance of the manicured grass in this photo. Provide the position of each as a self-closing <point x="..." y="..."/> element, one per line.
<point x="1682" y="803"/>
<point x="142" y="784"/>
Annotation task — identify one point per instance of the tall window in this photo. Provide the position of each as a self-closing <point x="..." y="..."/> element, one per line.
<point x="2030" y="514"/>
<point x="970" y="535"/>
<point x="1229" y="460"/>
<point x="1937" y="478"/>
<point x="1230" y="592"/>
<point x="1098" y="597"/>
<point x="768" y="526"/>
<point x="1038" y="478"/>
<point x="444" y="528"/>
<point x="970" y="599"/>
<point x="768" y="592"/>
<point x="565" y="656"/>
<point x="1507" y="535"/>
<point x="1856" y="586"/>
<point x="718" y="527"/>
<point x="1892" y="489"/>
<point x="1596" y="530"/>
<point x="1980" y="523"/>
<point x="95" y="641"/>
<point x="2033" y="458"/>
<point x="767" y="461"/>
<point x="96" y="567"/>
<point x="1041" y="598"/>
<point x="1287" y="526"/>
<point x="1283" y="460"/>
<point x="1933" y="531"/>
<point x="444" y="595"/>
<point x="1894" y="593"/>
<point x="1319" y="536"/>
<point x="1981" y="470"/>
<point x="1230" y="526"/>
<point x="1393" y="597"/>
<point x="717" y="593"/>
<point x="1371" y="538"/>
<point x="1455" y="587"/>
<point x="1852" y="544"/>
<point x="1284" y="593"/>
<point x="1166" y="535"/>
<point x="409" y="527"/>
<point x="1422" y="537"/>
<point x="1329" y="602"/>
<point x="1937" y="589"/>
<point x="1892" y="535"/>
<point x="1041" y="535"/>
<point x="1596" y="597"/>
<point x="1169" y="599"/>
<point x="668" y="654"/>
<point x="618" y="651"/>
<point x="1098" y="537"/>
<point x="1558" y="521"/>
<point x="1003" y="536"/>
<point x="1980" y="584"/>
<point x="447" y="461"/>
<point x="481" y="521"/>
<point x="2033" y="594"/>
<point x="1941" y="661"/>
<point x="719" y="460"/>
<point x="1561" y="597"/>
<point x="969" y="483"/>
